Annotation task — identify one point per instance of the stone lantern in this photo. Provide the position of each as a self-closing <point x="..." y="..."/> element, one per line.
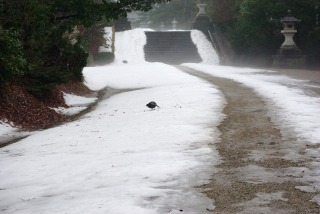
<point x="202" y="21"/>
<point x="162" y="27"/>
<point x="202" y="9"/>
<point x="289" y="31"/>
<point x="289" y="55"/>
<point x="174" y="24"/>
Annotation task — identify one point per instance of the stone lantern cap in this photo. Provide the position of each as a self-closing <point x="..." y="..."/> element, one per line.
<point x="290" y="18"/>
<point x="174" y="21"/>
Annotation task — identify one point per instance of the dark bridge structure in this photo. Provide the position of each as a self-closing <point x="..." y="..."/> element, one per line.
<point x="170" y="47"/>
<point x="176" y="47"/>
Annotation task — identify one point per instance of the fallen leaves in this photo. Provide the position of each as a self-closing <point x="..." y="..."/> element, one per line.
<point x="20" y="109"/>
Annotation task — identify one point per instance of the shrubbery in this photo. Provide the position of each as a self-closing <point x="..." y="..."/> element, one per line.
<point x="12" y="60"/>
<point x="39" y="41"/>
<point x="255" y="31"/>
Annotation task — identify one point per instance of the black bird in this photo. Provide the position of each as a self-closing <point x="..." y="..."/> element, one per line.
<point x="152" y="105"/>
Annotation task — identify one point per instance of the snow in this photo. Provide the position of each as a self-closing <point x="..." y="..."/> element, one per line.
<point x="122" y="157"/>
<point x="74" y="100"/>
<point x="129" y="46"/>
<point x="76" y="104"/>
<point x="125" y="158"/>
<point x="108" y="38"/>
<point x="294" y="110"/>
<point x="6" y="131"/>
<point x="5" y="128"/>
<point x="205" y="48"/>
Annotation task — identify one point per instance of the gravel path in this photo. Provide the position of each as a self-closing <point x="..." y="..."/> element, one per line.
<point x="254" y="177"/>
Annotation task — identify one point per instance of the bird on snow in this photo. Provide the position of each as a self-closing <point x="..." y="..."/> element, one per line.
<point x="152" y="105"/>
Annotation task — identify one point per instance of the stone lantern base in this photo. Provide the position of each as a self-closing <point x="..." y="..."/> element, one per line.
<point x="289" y="58"/>
<point x="289" y="55"/>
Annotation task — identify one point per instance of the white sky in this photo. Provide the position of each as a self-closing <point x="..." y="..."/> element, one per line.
<point x="124" y="158"/>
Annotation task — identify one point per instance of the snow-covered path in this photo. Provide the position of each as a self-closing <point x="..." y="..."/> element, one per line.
<point x="261" y="165"/>
<point x="124" y="158"/>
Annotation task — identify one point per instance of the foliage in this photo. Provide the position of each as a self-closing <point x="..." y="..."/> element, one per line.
<point x="35" y="39"/>
<point x="254" y="32"/>
<point x="221" y="12"/>
<point x="256" y="28"/>
<point x="183" y="11"/>
<point x="12" y="60"/>
<point x="93" y="37"/>
<point x="312" y="45"/>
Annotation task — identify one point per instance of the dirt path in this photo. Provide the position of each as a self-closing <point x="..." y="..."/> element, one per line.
<point x="254" y="177"/>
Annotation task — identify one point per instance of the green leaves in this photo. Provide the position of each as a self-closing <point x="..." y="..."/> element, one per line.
<point x="253" y="31"/>
<point x="37" y="37"/>
<point x="256" y="29"/>
<point x="12" y="60"/>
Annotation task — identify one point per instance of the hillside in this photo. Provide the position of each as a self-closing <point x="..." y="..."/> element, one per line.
<point x="22" y="110"/>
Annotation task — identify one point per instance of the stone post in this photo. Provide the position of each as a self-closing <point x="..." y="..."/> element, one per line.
<point x="202" y="21"/>
<point x="289" y="55"/>
<point x="289" y="31"/>
<point x="202" y="9"/>
<point x="162" y="27"/>
<point x="174" y="24"/>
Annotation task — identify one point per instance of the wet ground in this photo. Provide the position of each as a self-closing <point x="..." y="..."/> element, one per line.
<point x="312" y="76"/>
<point x="257" y="174"/>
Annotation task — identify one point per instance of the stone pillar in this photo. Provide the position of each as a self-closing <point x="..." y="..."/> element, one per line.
<point x="202" y="21"/>
<point x="202" y="9"/>
<point x="288" y="33"/>
<point x="162" y="27"/>
<point x="174" y="24"/>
